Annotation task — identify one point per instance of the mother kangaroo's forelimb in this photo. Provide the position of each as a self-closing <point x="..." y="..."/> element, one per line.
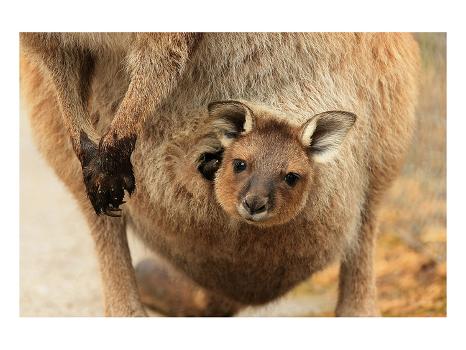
<point x="154" y="61"/>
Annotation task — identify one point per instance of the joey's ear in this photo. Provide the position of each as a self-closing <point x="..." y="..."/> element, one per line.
<point x="325" y="132"/>
<point x="230" y="119"/>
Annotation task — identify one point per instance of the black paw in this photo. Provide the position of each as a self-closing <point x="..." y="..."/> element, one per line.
<point x="107" y="174"/>
<point x="209" y="163"/>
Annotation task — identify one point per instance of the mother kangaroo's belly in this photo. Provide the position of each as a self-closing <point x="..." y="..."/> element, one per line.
<point x="254" y="281"/>
<point x="247" y="264"/>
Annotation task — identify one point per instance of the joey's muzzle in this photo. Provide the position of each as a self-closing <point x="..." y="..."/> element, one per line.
<point x="254" y="207"/>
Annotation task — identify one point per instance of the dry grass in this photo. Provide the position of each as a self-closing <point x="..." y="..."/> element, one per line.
<point x="411" y="252"/>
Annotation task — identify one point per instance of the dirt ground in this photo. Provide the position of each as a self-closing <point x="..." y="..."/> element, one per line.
<point x="58" y="268"/>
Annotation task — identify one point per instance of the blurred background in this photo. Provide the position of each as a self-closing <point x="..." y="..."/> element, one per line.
<point x="58" y="269"/>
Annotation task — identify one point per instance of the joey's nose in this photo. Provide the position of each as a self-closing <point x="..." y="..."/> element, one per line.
<point x="255" y="204"/>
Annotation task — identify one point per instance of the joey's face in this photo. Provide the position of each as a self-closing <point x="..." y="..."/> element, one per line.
<point x="265" y="169"/>
<point x="265" y="175"/>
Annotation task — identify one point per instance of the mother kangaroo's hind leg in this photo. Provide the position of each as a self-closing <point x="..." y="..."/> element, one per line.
<point x="357" y="289"/>
<point x="169" y="291"/>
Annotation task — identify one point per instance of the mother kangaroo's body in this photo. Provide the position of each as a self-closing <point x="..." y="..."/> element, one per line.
<point x="175" y="210"/>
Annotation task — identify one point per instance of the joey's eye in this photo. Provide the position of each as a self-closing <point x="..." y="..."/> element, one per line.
<point x="291" y="179"/>
<point x="239" y="165"/>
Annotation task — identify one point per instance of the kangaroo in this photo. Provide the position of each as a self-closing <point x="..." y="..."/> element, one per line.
<point x="265" y="162"/>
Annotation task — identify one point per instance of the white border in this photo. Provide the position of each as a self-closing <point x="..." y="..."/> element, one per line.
<point x="222" y="333"/>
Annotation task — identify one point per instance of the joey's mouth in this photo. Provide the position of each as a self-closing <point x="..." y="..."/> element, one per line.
<point x="252" y="218"/>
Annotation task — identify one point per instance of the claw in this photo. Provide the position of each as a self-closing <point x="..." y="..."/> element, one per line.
<point x="106" y="181"/>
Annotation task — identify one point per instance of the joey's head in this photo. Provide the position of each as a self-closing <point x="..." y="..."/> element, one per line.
<point x="267" y="163"/>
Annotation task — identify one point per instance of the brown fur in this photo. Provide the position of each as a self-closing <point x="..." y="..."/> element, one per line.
<point x="289" y="77"/>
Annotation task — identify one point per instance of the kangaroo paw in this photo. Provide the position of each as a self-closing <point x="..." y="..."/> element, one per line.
<point x="107" y="173"/>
